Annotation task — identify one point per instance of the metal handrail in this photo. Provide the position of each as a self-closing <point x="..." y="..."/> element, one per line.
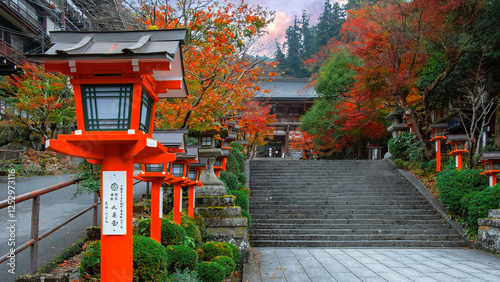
<point x="35" y="212"/>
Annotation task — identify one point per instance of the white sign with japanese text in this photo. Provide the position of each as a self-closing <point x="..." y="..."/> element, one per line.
<point x="114" y="201"/>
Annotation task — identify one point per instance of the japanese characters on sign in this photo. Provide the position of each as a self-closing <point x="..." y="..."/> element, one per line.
<point x="114" y="199"/>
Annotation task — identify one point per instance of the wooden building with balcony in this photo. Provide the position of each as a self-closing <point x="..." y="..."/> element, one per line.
<point x="290" y="99"/>
<point x="25" y="26"/>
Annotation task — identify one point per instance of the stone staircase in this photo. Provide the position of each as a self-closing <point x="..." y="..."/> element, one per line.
<point x="342" y="203"/>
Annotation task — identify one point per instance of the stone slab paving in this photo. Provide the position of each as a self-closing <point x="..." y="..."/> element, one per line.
<point x="366" y="264"/>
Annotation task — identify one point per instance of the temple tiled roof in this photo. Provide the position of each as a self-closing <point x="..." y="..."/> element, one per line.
<point x="287" y="89"/>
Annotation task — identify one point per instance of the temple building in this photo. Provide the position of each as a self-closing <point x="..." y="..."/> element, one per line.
<point x="290" y="99"/>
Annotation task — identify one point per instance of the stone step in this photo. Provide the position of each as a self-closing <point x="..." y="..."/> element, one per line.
<point x="358" y="244"/>
<point x="347" y="211"/>
<point x="333" y="215"/>
<point x="352" y="231"/>
<point x="333" y="222"/>
<point x="358" y="227"/>
<point x="350" y="237"/>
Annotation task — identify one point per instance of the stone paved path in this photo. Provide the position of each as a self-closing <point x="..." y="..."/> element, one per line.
<point x="365" y="264"/>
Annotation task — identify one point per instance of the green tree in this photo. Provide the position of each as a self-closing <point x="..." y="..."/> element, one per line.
<point x="41" y="101"/>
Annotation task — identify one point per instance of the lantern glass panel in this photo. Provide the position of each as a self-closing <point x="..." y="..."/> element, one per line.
<point x="146" y="109"/>
<point x="154" y="167"/>
<point x="440" y="132"/>
<point x="107" y="107"/>
<point x="227" y="144"/>
<point x="218" y="162"/>
<point x="460" y="146"/>
<point x="496" y="166"/>
<point x="178" y="170"/>
<point x="206" y="141"/>
<point x="193" y="175"/>
<point x="488" y="166"/>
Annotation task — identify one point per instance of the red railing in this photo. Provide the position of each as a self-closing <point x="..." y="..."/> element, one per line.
<point x="35" y="213"/>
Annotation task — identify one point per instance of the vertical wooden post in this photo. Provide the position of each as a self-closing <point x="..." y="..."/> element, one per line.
<point x="177" y="203"/>
<point x="156" y="213"/>
<point x="191" y="201"/>
<point x="116" y="250"/>
<point x="459" y="161"/>
<point x="493" y="179"/>
<point x="438" y="155"/>
<point x="35" y="215"/>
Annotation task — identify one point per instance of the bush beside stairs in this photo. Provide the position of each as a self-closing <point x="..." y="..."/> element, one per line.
<point x="341" y="203"/>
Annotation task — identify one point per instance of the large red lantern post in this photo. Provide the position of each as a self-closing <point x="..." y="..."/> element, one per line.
<point x="117" y="78"/>
<point x="458" y="144"/>
<point x="437" y="134"/>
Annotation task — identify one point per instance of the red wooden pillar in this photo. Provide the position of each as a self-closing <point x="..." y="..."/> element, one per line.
<point x="156" y="212"/>
<point x="116" y="250"/>
<point x="177" y="203"/>
<point x="191" y="201"/>
<point x="438" y="155"/>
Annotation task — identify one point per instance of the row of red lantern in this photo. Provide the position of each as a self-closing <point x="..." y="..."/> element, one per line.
<point x="459" y="144"/>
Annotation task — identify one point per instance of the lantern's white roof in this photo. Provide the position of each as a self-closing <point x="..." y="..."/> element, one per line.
<point x="138" y="45"/>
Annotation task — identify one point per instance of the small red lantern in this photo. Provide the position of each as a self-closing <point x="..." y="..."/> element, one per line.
<point x="437" y="134"/>
<point x="491" y="162"/>
<point x="458" y="144"/>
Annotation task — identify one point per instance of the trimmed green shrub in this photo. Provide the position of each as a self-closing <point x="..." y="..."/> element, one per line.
<point x="149" y="257"/>
<point x="232" y="164"/>
<point x="227" y="263"/>
<point x="214" y="249"/>
<point x="180" y="257"/>
<point x="150" y="260"/>
<point x="210" y="272"/>
<point x="398" y="163"/>
<point x="230" y="180"/>
<point x="242" y="178"/>
<point x="479" y="203"/>
<point x="248" y="216"/>
<point x="90" y="265"/>
<point x="241" y="199"/>
<point x="236" y="253"/>
<point x="454" y="184"/>
<point x="247" y="191"/>
<point x="182" y="276"/>
<point x="171" y="232"/>
<point x="191" y="227"/>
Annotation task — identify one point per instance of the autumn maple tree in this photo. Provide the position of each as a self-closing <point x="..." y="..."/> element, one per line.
<point x="42" y="102"/>
<point x="220" y="73"/>
<point x="395" y="39"/>
<point x="255" y="125"/>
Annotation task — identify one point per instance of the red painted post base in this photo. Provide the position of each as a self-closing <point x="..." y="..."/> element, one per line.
<point x="191" y="202"/>
<point x="156" y="213"/>
<point x="116" y="250"/>
<point x="177" y="203"/>
<point x="438" y="155"/>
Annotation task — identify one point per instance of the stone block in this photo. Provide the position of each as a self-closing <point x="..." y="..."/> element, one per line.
<point x="57" y="277"/>
<point x="223" y="212"/>
<point x="494" y="213"/>
<point x="211" y="190"/>
<point x="488" y="239"/>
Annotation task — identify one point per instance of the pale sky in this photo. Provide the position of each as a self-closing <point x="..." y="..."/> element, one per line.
<point x="285" y="12"/>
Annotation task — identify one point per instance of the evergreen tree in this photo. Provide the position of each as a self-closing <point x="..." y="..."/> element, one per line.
<point x="307" y="37"/>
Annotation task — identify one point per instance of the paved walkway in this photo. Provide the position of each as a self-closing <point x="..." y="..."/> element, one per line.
<point x="365" y="264"/>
